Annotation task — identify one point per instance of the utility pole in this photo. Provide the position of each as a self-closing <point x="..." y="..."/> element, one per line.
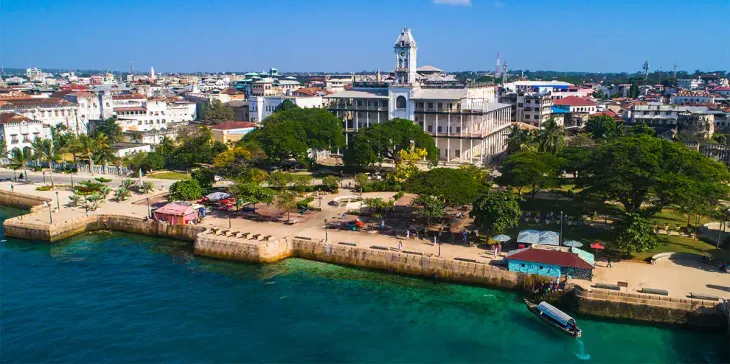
<point x="646" y="76"/>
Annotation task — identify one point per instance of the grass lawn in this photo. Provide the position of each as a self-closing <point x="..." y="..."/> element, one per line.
<point x="674" y="218"/>
<point x="569" y="207"/>
<point x="169" y="175"/>
<point x="682" y="244"/>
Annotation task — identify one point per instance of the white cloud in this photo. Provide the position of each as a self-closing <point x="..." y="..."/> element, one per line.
<point x="453" y="2"/>
<point x="498" y="4"/>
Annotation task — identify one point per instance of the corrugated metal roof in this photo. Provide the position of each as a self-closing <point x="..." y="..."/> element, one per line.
<point x="370" y="93"/>
<point x="555" y="313"/>
<point x="439" y="94"/>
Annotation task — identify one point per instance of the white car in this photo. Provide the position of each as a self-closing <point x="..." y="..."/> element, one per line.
<point x="218" y="178"/>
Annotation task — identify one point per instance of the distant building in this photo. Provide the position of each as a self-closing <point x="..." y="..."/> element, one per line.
<point x="262" y="106"/>
<point x="240" y="110"/>
<point x="684" y="97"/>
<point x="231" y="131"/>
<point x="690" y="83"/>
<point x="577" y="105"/>
<point x="50" y="111"/>
<point x="126" y="149"/>
<point x="552" y="262"/>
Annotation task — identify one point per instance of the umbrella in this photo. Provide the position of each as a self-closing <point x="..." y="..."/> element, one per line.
<point x="528" y="236"/>
<point x="501" y="238"/>
<point x="597" y="246"/>
<point x="573" y="243"/>
<point x="217" y="196"/>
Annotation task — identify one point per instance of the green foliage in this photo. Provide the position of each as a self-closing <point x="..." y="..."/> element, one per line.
<point x="217" y="112"/>
<point x="518" y="139"/>
<point x="527" y="168"/>
<point x="127" y="183"/>
<point x="193" y="148"/>
<point x="286" y="105"/>
<point x="398" y="195"/>
<point x="291" y="133"/>
<point x="480" y="175"/>
<point x="254" y="193"/>
<point x="302" y="204"/>
<point x="205" y="178"/>
<point x="74" y="200"/>
<point x="286" y="200"/>
<point x="19" y="159"/>
<point x="379" y="207"/>
<point x="602" y="127"/>
<point x="455" y="186"/>
<point x="385" y="141"/>
<point x="254" y="175"/>
<point x="91" y="202"/>
<point x="88" y="187"/>
<point x="575" y="159"/>
<point x="641" y="129"/>
<point x="147" y="187"/>
<point x="646" y="174"/>
<point x="551" y="137"/>
<point x="495" y="212"/>
<point x="361" y="179"/>
<point x="301" y="182"/>
<point x="331" y="182"/>
<point x="634" y="90"/>
<point x="122" y="194"/>
<point x="44" y="188"/>
<point x="110" y="128"/>
<point x="103" y="180"/>
<point x="280" y="180"/>
<point x="186" y="190"/>
<point x="634" y="234"/>
<point x="433" y="207"/>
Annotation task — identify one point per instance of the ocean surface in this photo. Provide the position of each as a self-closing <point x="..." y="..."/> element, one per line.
<point x="109" y="297"/>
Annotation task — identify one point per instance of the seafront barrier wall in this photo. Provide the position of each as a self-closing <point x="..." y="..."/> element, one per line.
<point x="22" y="200"/>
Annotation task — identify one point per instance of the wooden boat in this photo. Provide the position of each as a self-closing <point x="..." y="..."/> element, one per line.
<point x="554" y="317"/>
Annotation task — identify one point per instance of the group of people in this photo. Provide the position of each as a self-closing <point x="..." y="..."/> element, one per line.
<point x="549" y="287"/>
<point x="723" y="266"/>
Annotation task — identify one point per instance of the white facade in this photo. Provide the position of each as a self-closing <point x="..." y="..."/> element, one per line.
<point x="690" y="83"/>
<point x="692" y="97"/>
<point x="153" y="118"/>
<point x="126" y="149"/>
<point x="533" y="109"/>
<point x="260" y="107"/>
<point x="467" y="125"/>
<point x="49" y="111"/>
<point x="19" y="131"/>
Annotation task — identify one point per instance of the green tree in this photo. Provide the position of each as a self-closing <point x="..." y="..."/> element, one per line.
<point x="3" y="148"/>
<point x="122" y="193"/>
<point x="301" y="182"/>
<point x="286" y="201"/>
<point x="634" y="90"/>
<point x="146" y="161"/>
<point x="218" y="112"/>
<point x="166" y="147"/>
<point x="286" y="105"/>
<point x="186" y="190"/>
<point x="110" y="128"/>
<point x="361" y="179"/>
<point x="385" y="140"/>
<point x="280" y="180"/>
<point x="247" y="192"/>
<point x="433" y="207"/>
<point x="495" y="212"/>
<point x="634" y="234"/>
<point x="205" y="178"/>
<point x="20" y="158"/>
<point x="602" y="127"/>
<point x="551" y="137"/>
<point x="518" y="139"/>
<point x="646" y="174"/>
<point x="193" y="148"/>
<point x="454" y="186"/>
<point x="86" y="146"/>
<point x="527" y="168"/>
<point x="379" y="207"/>
<point x="48" y="154"/>
<point x="575" y="159"/>
<point x="103" y="153"/>
<point x="641" y="129"/>
<point x="331" y="182"/>
<point x="254" y="175"/>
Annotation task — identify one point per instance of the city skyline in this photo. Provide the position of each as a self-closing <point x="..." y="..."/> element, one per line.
<point x="342" y="37"/>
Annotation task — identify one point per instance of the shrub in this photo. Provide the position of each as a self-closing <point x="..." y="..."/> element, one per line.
<point x="305" y="202"/>
<point x="122" y="193"/>
<point x="187" y="189"/>
<point x="43" y="188"/>
<point x="398" y="195"/>
<point x="103" y="180"/>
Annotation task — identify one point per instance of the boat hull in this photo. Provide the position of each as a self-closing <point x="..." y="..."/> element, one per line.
<point x="533" y="309"/>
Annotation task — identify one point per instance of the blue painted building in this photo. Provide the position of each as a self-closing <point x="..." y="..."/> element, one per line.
<point x="550" y="262"/>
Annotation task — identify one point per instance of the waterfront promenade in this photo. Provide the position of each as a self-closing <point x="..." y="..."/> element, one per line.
<point x="677" y="278"/>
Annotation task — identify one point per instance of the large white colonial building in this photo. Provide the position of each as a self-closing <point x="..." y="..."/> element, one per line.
<point x="467" y="123"/>
<point x="19" y="131"/>
<point x="50" y="111"/>
<point x="262" y="106"/>
<point x="148" y="120"/>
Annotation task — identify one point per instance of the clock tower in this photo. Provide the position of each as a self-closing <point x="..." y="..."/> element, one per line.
<point x="405" y="58"/>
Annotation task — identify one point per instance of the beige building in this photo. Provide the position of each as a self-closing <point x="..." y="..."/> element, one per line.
<point x="231" y="131"/>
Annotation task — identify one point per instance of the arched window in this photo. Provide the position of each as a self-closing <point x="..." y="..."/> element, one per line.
<point x="400" y="102"/>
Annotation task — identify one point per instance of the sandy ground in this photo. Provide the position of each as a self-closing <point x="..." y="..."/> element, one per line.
<point x="678" y="277"/>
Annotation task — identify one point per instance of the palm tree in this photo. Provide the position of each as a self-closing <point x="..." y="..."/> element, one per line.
<point x="518" y="139"/>
<point x="19" y="158"/>
<point x="48" y="153"/>
<point x="136" y="136"/>
<point x="102" y="150"/>
<point x="3" y="148"/>
<point x="36" y="145"/>
<point x="551" y="137"/>
<point x="85" y="146"/>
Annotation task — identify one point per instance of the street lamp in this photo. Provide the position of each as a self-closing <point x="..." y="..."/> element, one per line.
<point x="44" y="176"/>
<point x="58" y="202"/>
<point x="325" y="230"/>
<point x="50" y="217"/>
<point x="560" y="241"/>
<point x="149" y="212"/>
<point x="72" y="181"/>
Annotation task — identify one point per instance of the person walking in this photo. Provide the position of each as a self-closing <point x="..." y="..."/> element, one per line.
<point x="434" y="239"/>
<point x="400" y="245"/>
<point x="609" y="263"/>
<point x="408" y="234"/>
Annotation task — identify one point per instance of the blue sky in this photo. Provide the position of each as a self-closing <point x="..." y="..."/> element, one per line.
<point x="354" y="35"/>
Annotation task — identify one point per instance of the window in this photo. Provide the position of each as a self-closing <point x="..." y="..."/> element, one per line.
<point x="420" y="105"/>
<point x="523" y="264"/>
<point x="384" y="103"/>
<point x="457" y="153"/>
<point x="540" y="267"/>
<point x="458" y="129"/>
<point x="430" y="128"/>
<point x="139" y="122"/>
<point x="430" y="105"/>
<point x="359" y="102"/>
<point x="400" y="102"/>
<point x="520" y="105"/>
<point x="440" y="106"/>
<point x="439" y="129"/>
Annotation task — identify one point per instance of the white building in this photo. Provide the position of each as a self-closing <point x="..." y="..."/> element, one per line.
<point x="690" y="83"/>
<point x="126" y="149"/>
<point x="149" y="120"/>
<point x="50" y="111"/>
<point x="259" y="107"/>
<point x="533" y="108"/>
<point x="19" y="131"/>
<point x="467" y="124"/>
<point x="684" y="97"/>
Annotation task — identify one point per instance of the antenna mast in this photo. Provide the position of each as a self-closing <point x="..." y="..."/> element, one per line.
<point x="496" y="70"/>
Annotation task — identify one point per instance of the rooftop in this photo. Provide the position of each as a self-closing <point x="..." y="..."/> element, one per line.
<point x="231" y="125"/>
<point x="363" y="93"/>
<point x="11" y="117"/>
<point x="574" y="101"/>
<point x="549" y="256"/>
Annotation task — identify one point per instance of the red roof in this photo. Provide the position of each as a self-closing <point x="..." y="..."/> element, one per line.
<point x="175" y="210"/>
<point x="724" y="88"/>
<point x="130" y="108"/>
<point x="554" y="257"/>
<point x="128" y="97"/>
<point x="11" y="117"/>
<point x="608" y="113"/>
<point x="229" y="125"/>
<point x="574" y="101"/>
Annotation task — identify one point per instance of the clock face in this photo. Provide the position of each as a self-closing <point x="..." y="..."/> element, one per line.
<point x="402" y="53"/>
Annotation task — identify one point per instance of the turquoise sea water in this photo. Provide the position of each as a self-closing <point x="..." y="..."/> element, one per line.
<point x="106" y="297"/>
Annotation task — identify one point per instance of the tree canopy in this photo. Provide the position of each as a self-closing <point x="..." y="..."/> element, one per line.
<point x="110" y="128"/>
<point x="602" y="127"/>
<point x="529" y="168"/>
<point x="382" y="141"/>
<point x="496" y="211"/>
<point x="634" y="234"/>
<point x="216" y="112"/>
<point x="186" y="190"/>
<point x="455" y="186"/>
<point x="646" y="173"/>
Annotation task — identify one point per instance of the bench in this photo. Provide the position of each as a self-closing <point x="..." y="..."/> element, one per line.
<point x="678" y="255"/>
<point x="379" y="247"/>
<point x="255" y="236"/>
<point x="245" y="235"/>
<point x="661" y="292"/>
<point x="412" y="252"/>
<point x="612" y="287"/>
<point x="347" y="243"/>
<point x="703" y="297"/>
<point x="267" y="237"/>
<point x="302" y="238"/>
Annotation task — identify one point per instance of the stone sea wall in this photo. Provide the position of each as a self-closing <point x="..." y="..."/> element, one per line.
<point x="22" y="200"/>
<point x="648" y="308"/>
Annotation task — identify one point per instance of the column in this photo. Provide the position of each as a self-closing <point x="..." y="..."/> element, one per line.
<point x="461" y="140"/>
<point x="357" y="116"/>
<point x="471" y="151"/>
<point x="436" y="130"/>
<point x="448" y="139"/>
<point x="367" y="117"/>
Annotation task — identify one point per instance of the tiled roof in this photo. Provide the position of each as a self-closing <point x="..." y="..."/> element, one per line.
<point x="554" y="257"/>
<point x="134" y="96"/>
<point x="11" y="117"/>
<point x="129" y="108"/>
<point x="230" y="125"/>
<point x="42" y="102"/>
<point x="574" y="101"/>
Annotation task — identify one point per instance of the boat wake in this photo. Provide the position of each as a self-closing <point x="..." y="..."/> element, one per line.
<point x="581" y="354"/>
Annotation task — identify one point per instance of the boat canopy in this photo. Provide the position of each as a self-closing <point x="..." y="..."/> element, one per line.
<point x="557" y="315"/>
